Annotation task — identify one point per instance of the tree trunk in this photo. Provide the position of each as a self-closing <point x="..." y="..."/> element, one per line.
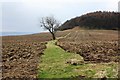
<point x="53" y="36"/>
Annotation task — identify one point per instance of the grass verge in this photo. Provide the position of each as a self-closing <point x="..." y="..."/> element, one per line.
<point x="53" y="65"/>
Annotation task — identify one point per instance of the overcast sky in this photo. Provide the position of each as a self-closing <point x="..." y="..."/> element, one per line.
<point x="24" y="15"/>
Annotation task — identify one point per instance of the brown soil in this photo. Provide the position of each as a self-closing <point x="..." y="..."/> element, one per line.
<point x="21" y="55"/>
<point x="94" y="46"/>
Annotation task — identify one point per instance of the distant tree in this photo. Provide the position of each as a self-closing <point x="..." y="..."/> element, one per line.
<point x="51" y="24"/>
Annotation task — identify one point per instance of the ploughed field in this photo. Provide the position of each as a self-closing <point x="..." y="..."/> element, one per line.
<point x="21" y="55"/>
<point x="93" y="45"/>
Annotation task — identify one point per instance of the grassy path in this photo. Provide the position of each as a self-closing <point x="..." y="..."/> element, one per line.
<point x="53" y="65"/>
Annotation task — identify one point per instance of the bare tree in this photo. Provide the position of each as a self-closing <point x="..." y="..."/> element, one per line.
<point x="51" y="24"/>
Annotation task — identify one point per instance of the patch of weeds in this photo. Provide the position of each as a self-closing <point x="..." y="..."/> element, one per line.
<point x="110" y="73"/>
<point x="90" y="73"/>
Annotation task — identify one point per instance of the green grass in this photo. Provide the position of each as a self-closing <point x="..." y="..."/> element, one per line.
<point x="53" y="65"/>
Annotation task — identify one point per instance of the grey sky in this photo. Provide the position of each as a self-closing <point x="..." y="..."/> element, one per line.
<point x="24" y="15"/>
<point x="119" y="6"/>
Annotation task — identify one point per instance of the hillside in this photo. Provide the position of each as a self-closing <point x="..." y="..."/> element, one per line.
<point x="94" y="20"/>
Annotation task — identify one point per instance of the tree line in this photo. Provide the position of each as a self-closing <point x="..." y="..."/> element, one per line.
<point x="95" y="20"/>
